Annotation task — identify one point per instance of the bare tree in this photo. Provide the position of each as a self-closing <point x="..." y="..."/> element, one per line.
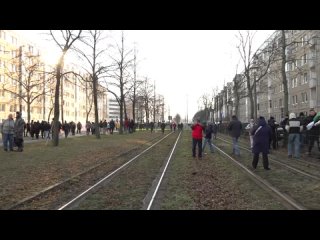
<point x="96" y="69"/>
<point x="255" y="63"/>
<point x="120" y="77"/>
<point x="147" y="93"/>
<point x="177" y="118"/>
<point x="68" y="39"/>
<point x="27" y="84"/>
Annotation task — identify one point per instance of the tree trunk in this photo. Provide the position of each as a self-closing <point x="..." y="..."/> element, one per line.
<point x="55" y="135"/>
<point x="62" y="103"/>
<point x="95" y="101"/>
<point x="250" y="95"/>
<point x="283" y="73"/>
<point x="133" y="109"/>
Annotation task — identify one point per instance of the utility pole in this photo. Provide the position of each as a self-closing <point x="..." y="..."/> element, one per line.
<point x="187" y="109"/>
<point x="154" y="101"/>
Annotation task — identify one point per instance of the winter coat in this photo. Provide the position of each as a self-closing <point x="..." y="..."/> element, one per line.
<point x="235" y="128"/>
<point x="7" y="126"/>
<point x="197" y="131"/>
<point x="209" y="131"/>
<point x="18" y="128"/>
<point x="314" y="131"/>
<point x="261" y="138"/>
<point x="215" y="128"/>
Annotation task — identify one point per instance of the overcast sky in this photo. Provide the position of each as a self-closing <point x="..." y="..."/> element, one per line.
<point x="184" y="64"/>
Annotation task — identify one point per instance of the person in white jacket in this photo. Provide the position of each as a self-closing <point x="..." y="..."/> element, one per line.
<point x="249" y="127"/>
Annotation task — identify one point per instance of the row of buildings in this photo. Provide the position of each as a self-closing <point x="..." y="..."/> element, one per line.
<point x="302" y="73"/>
<point x="27" y="81"/>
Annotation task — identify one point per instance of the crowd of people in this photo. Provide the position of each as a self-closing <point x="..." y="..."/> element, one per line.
<point x="299" y="132"/>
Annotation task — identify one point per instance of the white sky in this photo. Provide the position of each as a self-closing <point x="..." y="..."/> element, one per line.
<point x="183" y="63"/>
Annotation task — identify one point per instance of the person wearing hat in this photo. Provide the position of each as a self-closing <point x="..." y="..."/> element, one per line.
<point x="294" y="128"/>
<point x="18" y="131"/>
<point x="261" y="133"/>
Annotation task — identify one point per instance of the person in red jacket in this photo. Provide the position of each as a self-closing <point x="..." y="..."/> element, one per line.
<point x="197" y="130"/>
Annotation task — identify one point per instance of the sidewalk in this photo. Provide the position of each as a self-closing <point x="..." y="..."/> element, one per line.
<point x="29" y="140"/>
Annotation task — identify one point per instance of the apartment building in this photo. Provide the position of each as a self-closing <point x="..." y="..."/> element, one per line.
<point x="24" y="77"/>
<point x="303" y="78"/>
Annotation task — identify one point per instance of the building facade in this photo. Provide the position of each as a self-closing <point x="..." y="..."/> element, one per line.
<point x="303" y="78"/>
<point x="27" y="82"/>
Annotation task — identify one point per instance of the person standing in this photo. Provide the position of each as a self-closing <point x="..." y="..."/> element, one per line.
<point x="235" y="128"/>
<point x="293" y="128"/>
<point x="261" y="134"/>
<point x="163" y="126"/>
<point x="208" y="137"/>
<point x="197" y="130"/>
<point x="273" y="125"/>
<point x="18" y="131"/>
<point x="249" y="128"/>
<point x="313" y="132"/>
<point x="7" y="130"/>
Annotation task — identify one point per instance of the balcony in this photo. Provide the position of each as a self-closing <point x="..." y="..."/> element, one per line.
<point x="313" y="82"/>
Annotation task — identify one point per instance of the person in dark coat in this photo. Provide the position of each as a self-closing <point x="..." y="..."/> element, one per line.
<point x="208" y="137"/>
<point x="235" y="128"/>
<point x="261" y="136"/>
<point x="163" y="126"/>
<point x="273" y="125"/>
<point x="313" y="133"/>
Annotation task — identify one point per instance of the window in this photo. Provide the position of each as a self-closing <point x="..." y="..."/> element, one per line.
<point x="281" y="87"/>
<point x="2" y="107"/>
<point x="304" y="78"/>
<point x="270" y="104"/>
<point x="302" y="41"/>
<point x="304" y="58"/>
<point x="258" y="106"/>
<point x="12" y="108"/>
<point x="280" y="102"/>
<point x="1" y="93"/>
<point x="294" y="99"/>
<point x="304" y="97"/>
<point x="294" y="82"/>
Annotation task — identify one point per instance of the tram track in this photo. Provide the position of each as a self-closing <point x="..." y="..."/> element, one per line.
<point x="43" y="199"/>
<point x="128" y="181"/>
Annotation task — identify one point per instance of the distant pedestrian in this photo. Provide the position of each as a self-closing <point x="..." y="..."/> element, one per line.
<point x="215" y="130"/>
<point x="151" y="126"/>
<point x="235" y="128"/>
<point x="261" y="137"/>
<point x="197" y="130"/>
<point x="163" y="126"/>
<point x="7" y="130"/>
<point x="273" y="140"/>
<point x="18" y="131"/>
<point x="208" y="137"/>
